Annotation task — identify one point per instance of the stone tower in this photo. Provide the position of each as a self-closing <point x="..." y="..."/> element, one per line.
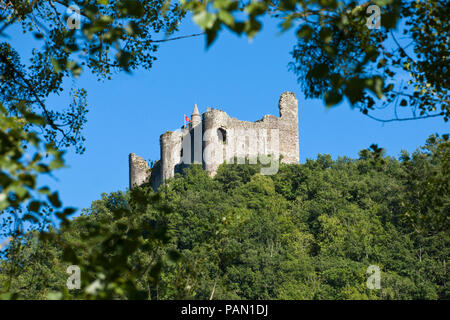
<point x="139" y="170"/>
<point x="196" y="118"/>
<point x="214" y="137"/>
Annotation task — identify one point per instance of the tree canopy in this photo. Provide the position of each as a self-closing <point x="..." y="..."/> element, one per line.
<point x="102" y="37"/>
<point x="345" y="49"/>
<point x="308" y="232"/>
<point x="355" y="50"/>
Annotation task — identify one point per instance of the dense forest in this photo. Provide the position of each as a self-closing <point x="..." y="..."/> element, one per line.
<point x="308" y="232"/>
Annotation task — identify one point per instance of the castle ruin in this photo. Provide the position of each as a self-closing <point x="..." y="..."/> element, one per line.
<point x="214" y="137"/>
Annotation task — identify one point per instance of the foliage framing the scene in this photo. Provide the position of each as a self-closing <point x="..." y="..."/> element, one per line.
<point x="308" y="232"/>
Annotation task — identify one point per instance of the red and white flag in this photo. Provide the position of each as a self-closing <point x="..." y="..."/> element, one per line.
<point x="186" y="119"/>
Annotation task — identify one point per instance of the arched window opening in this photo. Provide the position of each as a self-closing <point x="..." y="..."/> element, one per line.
<point x="222" y="134"/>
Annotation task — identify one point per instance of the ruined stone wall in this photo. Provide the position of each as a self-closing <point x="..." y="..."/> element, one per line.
<point x="170" y="143"/>
<point x="156" y="175"/>
<point x="289" y="140"/>
<point x="219" y="138"/>
<point x="139" y="170"/>
<point x="244" y="139"/>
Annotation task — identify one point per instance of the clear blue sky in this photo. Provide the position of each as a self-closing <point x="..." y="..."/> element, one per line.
<point x="245" y="79"/>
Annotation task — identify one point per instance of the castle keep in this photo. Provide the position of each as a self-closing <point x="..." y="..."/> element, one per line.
<point x="214" y="137"/>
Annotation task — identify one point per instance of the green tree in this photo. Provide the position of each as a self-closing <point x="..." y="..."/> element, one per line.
<point x="341" y="53"/>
